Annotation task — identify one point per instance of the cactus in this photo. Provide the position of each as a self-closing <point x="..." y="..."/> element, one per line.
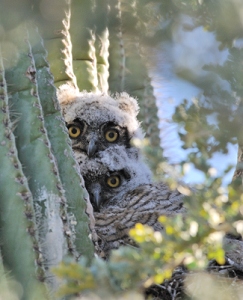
<point x="102" y="53"/>
<point x="3" y="280"/>
<point x="128" y="71"/>
<point x="34" y="151"/>
<point x="45" y="214"/>
<point x="18" y="228"/>
<point x="61" y="148"/>
<point x="83" y="49"/>
<point x="53" y="25"/>
<point x="37" y="213"/>
<point x="102" y="44"/>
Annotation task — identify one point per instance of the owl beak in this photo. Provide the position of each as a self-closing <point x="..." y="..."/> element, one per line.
<point x="92" y="147"/>
<point x="96" y="196"/>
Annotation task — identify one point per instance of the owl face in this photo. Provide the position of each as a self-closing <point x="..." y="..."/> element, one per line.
<point x="103" y="188"/>
<point x="111" y="174"/>
<point x="96" y="121"/>
<point x="96" y="137"/>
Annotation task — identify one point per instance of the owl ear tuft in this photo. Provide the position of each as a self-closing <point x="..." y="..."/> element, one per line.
<point x="127" y="103"/>
<point x="66" y="94"/>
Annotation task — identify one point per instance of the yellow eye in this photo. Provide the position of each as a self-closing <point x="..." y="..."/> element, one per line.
<point x="111" y="135"/>
<point x="74" y="131"/>
<point x="113" y="181"/>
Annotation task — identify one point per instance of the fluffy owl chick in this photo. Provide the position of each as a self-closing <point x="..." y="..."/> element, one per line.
<point x="96" y="121"/>
<point x="111" y="174"/>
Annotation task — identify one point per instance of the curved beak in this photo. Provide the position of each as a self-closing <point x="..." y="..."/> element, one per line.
<point x="92" y="147"/>
<point x="95" y="194"/>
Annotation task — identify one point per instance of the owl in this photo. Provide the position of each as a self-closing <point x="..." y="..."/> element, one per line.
<point x="112" y="173"/>
<point x="96" y="121"/>
<point x="143" y="204"/>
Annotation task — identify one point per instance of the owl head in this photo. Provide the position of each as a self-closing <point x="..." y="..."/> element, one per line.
<point x="111" y="174"/>
<point x="96" y="121"/>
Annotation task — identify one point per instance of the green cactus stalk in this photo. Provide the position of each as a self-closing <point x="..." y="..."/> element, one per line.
<point x="34" y="152"/>
<point x="45" y="213"/>
<point x="117" y="51"/>
<point x="102" y="43"/>
<point x="129" y="72"/>
<point x="53" y="23"/>
<point x="4" y="288"/>
<point x="83" y="45"/>
<point x="61" y="148"/>
<point x="18" y="233"/>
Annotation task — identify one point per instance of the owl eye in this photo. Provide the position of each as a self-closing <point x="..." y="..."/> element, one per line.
<point x="113" y="181"/>
<point x="76" y="128"/>
<point x="111" y="135"/>
<point x="74" y="131"/>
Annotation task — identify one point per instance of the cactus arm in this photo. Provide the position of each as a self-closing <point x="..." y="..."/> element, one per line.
<point x="53" y="23"/>
<point x="117" y="51"/>
<point x="127" y="69"/>
<point x="17" y="221"/>
<point x="83" y="45"/>
<point x="102" y="44"/>
<point x="61" y="148"/>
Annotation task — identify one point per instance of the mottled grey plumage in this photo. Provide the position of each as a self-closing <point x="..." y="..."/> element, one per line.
<point x="143" y="205"/>
<point x="97" y="121"/>
<point x="116" y="177"/>
<point x="124" y="166"/>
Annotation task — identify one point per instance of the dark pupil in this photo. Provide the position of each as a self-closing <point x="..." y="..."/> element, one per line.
<point x="111" y="135"/>
<point x="74" y="130"/>
<point x="113" y="181"/>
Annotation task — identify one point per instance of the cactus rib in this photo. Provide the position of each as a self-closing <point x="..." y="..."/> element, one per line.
<point x="34" y="152"/>
<point x="18" y="233"/>
<point x="61" y="147"/>
<point x="102" y="44"/>
<point x="83" y="41"/>
<point x="53" y="26"/>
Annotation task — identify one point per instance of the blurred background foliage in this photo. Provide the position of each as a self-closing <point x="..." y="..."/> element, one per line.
<point x="114" y="45"/>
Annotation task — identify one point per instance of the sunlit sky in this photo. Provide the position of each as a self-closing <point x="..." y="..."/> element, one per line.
<point x="195" y="48"/>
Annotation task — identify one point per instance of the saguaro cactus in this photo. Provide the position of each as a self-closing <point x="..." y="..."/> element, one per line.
<point x="43" y="207"/>
<point x="46" y="212"/>
<point x="18" y="229"/>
